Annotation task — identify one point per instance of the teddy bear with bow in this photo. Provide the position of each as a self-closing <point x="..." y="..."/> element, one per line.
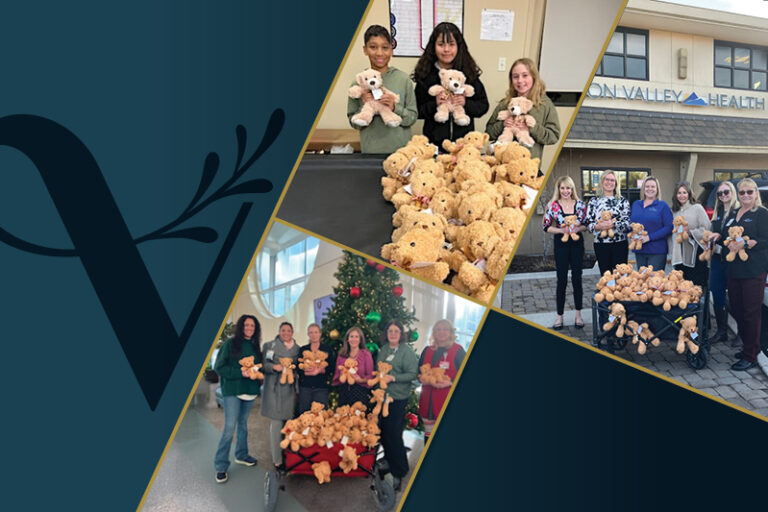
<point x="452" y="83"/>
<point x="518" y="109"/>
<point x="371" y="80"/>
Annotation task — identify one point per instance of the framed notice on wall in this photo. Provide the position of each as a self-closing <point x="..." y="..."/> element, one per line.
<point x="411" y="22"/>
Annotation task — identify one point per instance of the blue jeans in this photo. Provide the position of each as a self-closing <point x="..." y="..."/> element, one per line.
<point x="717" y="282"/>
<point x="659" y="261"/>
<point x="236" y="413"/>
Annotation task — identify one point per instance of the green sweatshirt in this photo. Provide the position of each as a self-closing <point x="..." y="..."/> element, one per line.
<point x="546" y="131"/>
<point x="405" y="369"/>
<point x="232" y="381"/>
<point x="378" y="137"/>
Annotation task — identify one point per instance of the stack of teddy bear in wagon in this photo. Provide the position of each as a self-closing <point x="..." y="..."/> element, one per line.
<point x="458" y="213"/>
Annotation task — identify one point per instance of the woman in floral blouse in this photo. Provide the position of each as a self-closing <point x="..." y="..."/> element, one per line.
<point x="609" y="250"/>
<point x="566" y="202"/>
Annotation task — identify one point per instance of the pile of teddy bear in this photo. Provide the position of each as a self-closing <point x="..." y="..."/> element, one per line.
<point x="346" y="426"/>
<point x="458" y="213"/>
<point x="646" y="285"/>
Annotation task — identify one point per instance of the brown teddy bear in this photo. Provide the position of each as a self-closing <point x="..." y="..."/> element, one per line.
<point x="617" y="318"/>
<point x="452" y="83"/>
<point x="421" y="142"/>
<point x="398" y="169"/>
<point x="347" y="371"/>
<point x="736" y="234"/>
<point x="688" y="335"/>
<point x="247" y="367"/>
<point x="605" y="287"/>
<point x="506" y="153"/>
<point x="419" y="190"/>
<point x="678" y="224"/>
<point x="606" y="215"/>
<point x="382" y="401"/>
<point x="378" y="376"/>
<point x="706" y="246"/>
<point x="508" y="223"/>
<point x="418" y="252"/>
<point x="571" y="223"/>
<point x="444" y="202"/>
<point x="635" y="237"/>
<point x="471" y="170"/>
<point x="313" y="359"/>
<point x="477" y="139"/>
<point x="287" y="373"/>
<point x="518" y="109"/>
<point x="524" y="171"/>
<point x="348" y="459"/>
<point x="513" y="195"/>
<point x="322" y="471"/>
<point x="370" y="80"/>
<point x="641" y="335"/>
<point x="411" y="218"/>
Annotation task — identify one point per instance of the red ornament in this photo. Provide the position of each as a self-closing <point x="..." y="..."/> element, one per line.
<point x="397" y="291"/>
<point x="371" y="263"/>
<point x="354" y="292"/>
<point x="380" y="267"/>
<point x="413" y="420"/>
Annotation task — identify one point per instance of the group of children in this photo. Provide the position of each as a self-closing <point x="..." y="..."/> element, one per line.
<point x="446" y="49"/>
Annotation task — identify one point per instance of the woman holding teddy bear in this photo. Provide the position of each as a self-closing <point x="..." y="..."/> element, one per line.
<point x="525" y="81"/>
<point x="447" y="49"/>
<point x="608" y="221"/>
<point x="685" y="253"/>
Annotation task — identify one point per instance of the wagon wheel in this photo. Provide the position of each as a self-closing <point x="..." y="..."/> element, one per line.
<point x="616" y="343"/>
<point x="271" y="489"/>
<point x="383" y="494"/>
<point x="698" y="360"/>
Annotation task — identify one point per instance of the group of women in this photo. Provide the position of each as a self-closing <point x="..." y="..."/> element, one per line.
<point x="744" y="280"/>
<point x="279" y="400"/>
<point x="447" y="49"/>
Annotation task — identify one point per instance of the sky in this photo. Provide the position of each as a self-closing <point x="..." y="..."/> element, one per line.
<point x="750" y="7"/>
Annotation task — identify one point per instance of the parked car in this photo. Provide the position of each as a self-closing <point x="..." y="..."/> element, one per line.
<point x="709" y="193"/>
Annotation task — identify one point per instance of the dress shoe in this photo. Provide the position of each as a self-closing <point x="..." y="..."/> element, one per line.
<point x="743" y="365"/>
<point x="739" y="355"/>
<point x="558" y="327"/>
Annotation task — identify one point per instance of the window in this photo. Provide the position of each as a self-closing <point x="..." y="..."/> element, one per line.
<point x="464" y="315"/>
<point x="629" y="181"/>
<point x="626" y="55"/>
<point x="283" y="274"/>
<point x="735" y="174"/>
<point x="741" y="66"/>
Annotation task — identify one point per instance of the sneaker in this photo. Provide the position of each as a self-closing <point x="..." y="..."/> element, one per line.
<point x="221" y="477"/>
<point x="247" y="461"/>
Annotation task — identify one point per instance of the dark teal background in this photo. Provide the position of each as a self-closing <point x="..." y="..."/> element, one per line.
<point x="150" y="87"/>
<point x="539" y="423"/>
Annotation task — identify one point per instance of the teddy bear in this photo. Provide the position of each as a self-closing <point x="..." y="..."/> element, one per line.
<point x="665" y="295"/>
<point x="470" y="187"/>
<point x="419" y="191"/>
<point x="684" y="293"/>
<point x="248" y="367"/>
<point x="410" y="219"/>
<point x="706" y="246"/>
<point x="606" y="215"/>
<point x="444" y="202"/>
<point x="370" y="80"/>
<point x="512" y="195"/>
<point x="287" y="373"/>
<point x="477" y="139"/>
<point x="378" y="376"/>
<point x="570" y="224"/>
<point x="313" y="359"/>
<point x="348" y="459"/>
<point x="429" y="165"/>
<point x="418" y="252"/>
<point x="736" y="234"/>
<point x="606" y="285"/>
<point x="475" y="207"/>
<point x="382" y="401"/>
<point x="322" y="471"/>
<point x="475" y="241"/>
<point x="617" y="318"/>
<point x="398" y="169"/>
<point x="524" y="171"/>
<point x="508" y="223"/>
<point x="679" y="223"/>
<point x="517" y="109"/>
<point x="471" y="170"/>
<point x="421" y="142"/>
<point x="347" y="371"/>
<point x="635" y="237"/>
<point x="452" y="83"/>
<point x="506" y="153"/>
<point x="688" y="335"/>
<point x="641" y="335"/>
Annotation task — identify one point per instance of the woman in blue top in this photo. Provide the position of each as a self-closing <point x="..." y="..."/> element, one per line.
<point x="656" y="217"/>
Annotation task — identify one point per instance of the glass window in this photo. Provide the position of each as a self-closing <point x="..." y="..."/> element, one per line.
<point x="465" y="317"/>
<point x="626" y="55"/>
<point x="629" y="181"/>
<point x="283" y="274"/>
<point x="740" y="66"/>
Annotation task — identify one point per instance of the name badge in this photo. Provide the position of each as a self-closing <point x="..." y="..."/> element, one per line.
<point x="729" y="222"/>
<point x="270" y="355"/>
<point x="444" y="365"/>
<point x="390" y="357"/>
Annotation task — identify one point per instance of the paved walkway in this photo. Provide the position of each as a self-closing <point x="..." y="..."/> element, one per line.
<point x="531" y="296"/>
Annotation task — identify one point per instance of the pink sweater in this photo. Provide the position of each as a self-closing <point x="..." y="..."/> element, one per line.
<point x="364" y="367"/>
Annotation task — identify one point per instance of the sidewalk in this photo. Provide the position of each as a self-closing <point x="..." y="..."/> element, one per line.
<point x="531" y="296"/>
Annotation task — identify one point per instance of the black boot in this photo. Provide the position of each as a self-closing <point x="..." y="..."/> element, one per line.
<point x="721" y="317"/>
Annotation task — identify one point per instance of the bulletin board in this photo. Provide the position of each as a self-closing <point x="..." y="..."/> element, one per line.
<point x="411" y="22"/>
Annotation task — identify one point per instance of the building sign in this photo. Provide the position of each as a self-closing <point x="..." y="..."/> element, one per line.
<point x="653" y="95"/>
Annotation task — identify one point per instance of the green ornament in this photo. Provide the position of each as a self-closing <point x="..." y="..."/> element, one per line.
<point x="414" y="335"/>
<point x="372" y="347"/>
<point x="373" y="316"/>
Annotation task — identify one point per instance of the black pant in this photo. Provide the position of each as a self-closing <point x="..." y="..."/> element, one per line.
<point x="746" y="297"/>
<point x="697" y="273"/>
<point x="392" y="438"/>
<point x="569" y="254"/>
<point x="611" y="254"/>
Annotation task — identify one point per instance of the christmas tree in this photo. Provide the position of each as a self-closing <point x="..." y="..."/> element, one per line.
<point x="368" y="295"/>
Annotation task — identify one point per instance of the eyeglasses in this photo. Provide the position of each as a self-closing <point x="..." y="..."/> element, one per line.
<point x="721" y="193"/>
<point x="746" y="192"/>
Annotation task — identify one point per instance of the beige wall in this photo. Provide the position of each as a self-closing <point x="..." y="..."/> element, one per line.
<point x="665" y="166"/>
<point x="525" y="43"/>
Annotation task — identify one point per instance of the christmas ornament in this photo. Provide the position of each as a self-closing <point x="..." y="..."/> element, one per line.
<point x="380" y="267"/>
<point x="334" y="334"/>
<point x="397" y="291"/>
<point x="414" y="335"/>
<point x="354" y="292"/>
<point x="371" y="263"/>
<point x="373" y="316"/>
<point x="372" y="347"/>
<point x="413" y="420"/>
